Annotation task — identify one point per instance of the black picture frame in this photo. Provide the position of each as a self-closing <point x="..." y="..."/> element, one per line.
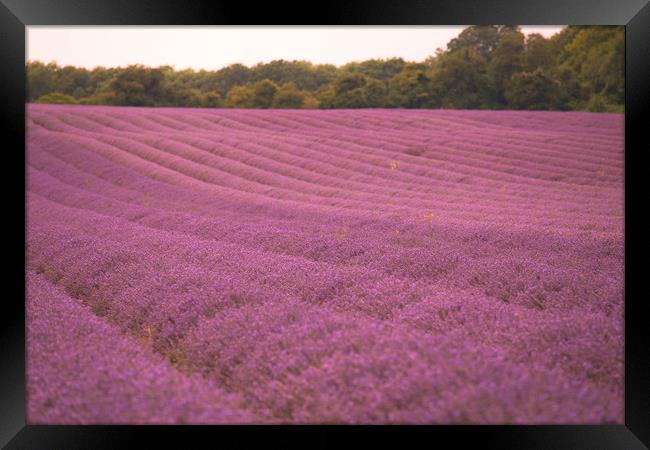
<point x="16" y="15"/>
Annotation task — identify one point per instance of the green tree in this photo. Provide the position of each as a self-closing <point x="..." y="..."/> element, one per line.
<point x="224" y="79"/>
<point x="325" y="96"/>
<point x="211" y="99"/>
<point x="570" y="96"/>
<point x="310" y="102"/>
<point x="411" y="88"/>
<point x="57" y="97"/>
<point x="69" y="78"/>
<point x="41" y="79"/>
<point x="79" y="93"/>
<point x="483" y="39"/>
<point x="579" y="68"/>
<point x="532" y="90"/>
<point x="306" y="75"/>
<point x="601" y="103"/>
<point x="350" y="91"/>
<point x="375" y="93"/>
<point x="539" y="53"/>
<point x="100" y="98"/>
<point x="99" y="80"/>
<point x="189" y="97"/>
<point x="240" y="97"/>
<point x="505" y="60"/>
<point x="289" y="96"/>
<point x="378" y="69"/>
<point x="264" y="93"/>
<point x="597" y="57"/>
<point x="459" y="80"/>
<point x="137" y="85"/>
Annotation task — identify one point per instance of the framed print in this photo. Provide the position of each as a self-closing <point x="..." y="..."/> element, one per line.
<point x="400" y="219"/>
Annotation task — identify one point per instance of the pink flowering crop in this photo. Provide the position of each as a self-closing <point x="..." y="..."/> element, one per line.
<point x="323" y="266"/>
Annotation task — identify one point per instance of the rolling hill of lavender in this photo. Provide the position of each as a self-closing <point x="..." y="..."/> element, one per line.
<point x="323" y="266"/>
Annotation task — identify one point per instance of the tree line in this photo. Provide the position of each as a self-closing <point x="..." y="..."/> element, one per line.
<point x="581" y="68"/>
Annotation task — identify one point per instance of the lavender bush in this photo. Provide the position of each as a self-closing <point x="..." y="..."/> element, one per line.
<point x="324" y="266"/>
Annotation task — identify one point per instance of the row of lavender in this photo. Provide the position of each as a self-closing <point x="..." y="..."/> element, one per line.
<point x="337" y="266"/>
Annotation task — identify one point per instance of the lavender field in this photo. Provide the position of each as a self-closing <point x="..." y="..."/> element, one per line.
<point x="323" y="266"/>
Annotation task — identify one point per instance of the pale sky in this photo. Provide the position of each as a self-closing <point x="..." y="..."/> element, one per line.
<point x="212" y="47"/>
